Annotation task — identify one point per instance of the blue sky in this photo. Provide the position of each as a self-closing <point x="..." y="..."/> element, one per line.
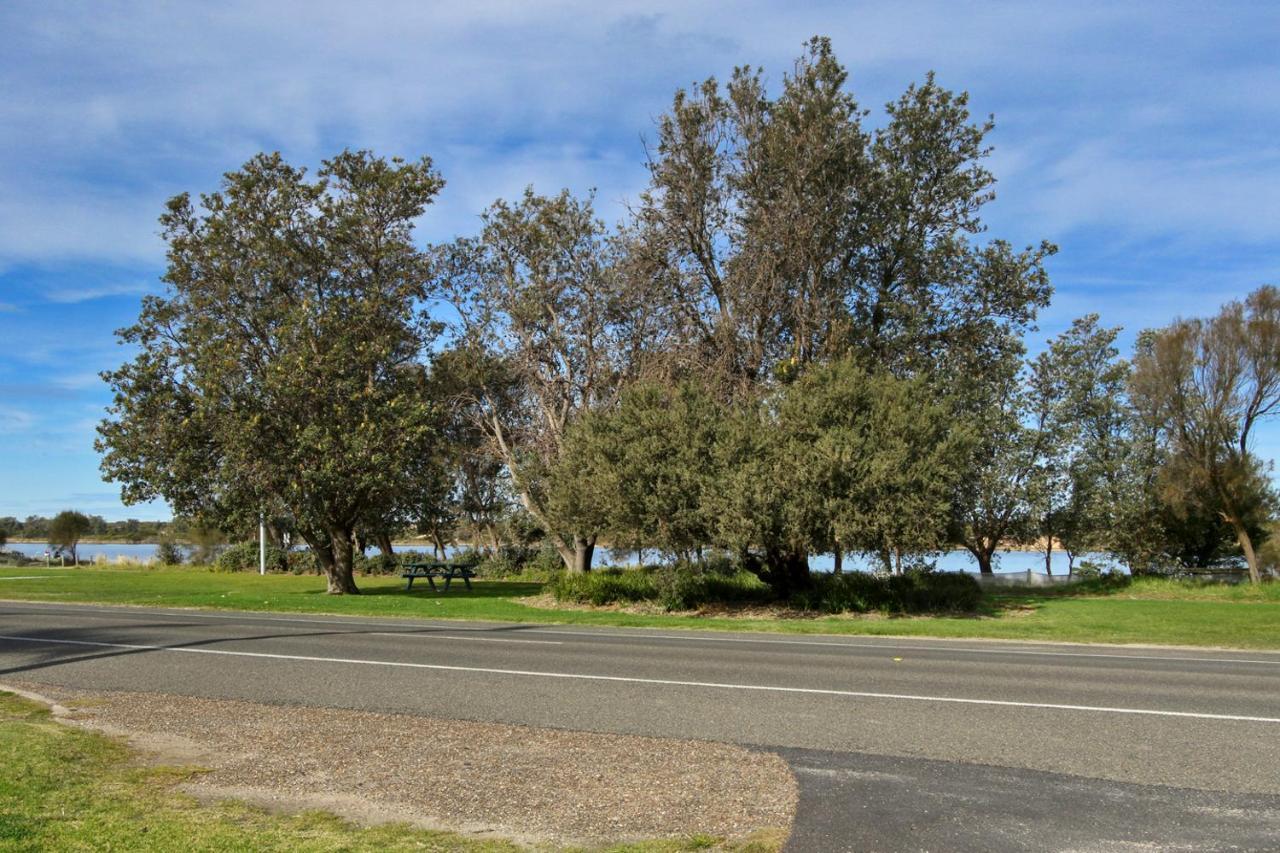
<point x="1143" y="138"/>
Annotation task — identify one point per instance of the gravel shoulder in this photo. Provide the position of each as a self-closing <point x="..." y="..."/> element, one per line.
<point x="534" y="785"/>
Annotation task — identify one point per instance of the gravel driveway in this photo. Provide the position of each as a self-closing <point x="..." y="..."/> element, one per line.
<point x="530" y="784"/>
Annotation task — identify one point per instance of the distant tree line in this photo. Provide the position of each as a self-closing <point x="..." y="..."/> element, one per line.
<point x="37" y="527"/>
<point x="801" y="340"/>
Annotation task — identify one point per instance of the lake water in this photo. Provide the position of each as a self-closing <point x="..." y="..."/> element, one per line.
<point x="952" y="561"/>
<point x="89" y="551"/>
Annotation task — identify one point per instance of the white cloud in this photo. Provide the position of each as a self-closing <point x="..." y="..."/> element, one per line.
<point x="73" y="295"/>
<point x="164" y="98"/>
<point x="14" y="420"/>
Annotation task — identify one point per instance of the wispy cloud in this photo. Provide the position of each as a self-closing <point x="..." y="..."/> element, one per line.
<point x="14" y="420"/>
<point x="73" y="295"/>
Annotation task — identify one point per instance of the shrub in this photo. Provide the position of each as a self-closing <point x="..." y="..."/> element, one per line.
<point x="913" y="592"/>
<point x="243" y="557"/>
<point x="605" y="586"/>
<point x="376" y="564"/>
<point x="686" y="586"/>
<point x="168" y="553"/>
<point x="1100" y="581"/>
<point x="545" y="564"/>
<point x="1087" y="570"/>
<point x="500" y="565"/>
<point x="302" y="563"/>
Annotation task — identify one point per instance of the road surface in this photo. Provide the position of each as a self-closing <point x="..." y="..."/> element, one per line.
<point x="898" y="744"/>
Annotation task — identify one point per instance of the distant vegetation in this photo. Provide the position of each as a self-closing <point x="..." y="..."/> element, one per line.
<point x="801" y="341"/>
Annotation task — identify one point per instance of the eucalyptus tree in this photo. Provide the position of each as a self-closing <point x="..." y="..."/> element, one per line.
<point x="1079" y="392"/>
<point x="646" y="469"/>
<point x="1211" y="382"/>
<point x="778" y="231"/>
<point x="556" y="331"/>
<point x="479" y="492"/>
<point x="282" y="370"/>
<point x="994" y="502"/>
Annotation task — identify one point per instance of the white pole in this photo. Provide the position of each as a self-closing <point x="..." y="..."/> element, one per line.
<point x="262" y="544"/>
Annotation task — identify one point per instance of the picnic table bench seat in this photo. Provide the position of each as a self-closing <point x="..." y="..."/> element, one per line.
<point x="431" y="571"/>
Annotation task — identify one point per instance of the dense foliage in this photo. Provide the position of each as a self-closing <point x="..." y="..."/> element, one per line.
<point x="800" y="341"/>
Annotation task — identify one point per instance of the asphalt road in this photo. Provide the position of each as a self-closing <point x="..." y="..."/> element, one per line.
<point x="898" y="744"/>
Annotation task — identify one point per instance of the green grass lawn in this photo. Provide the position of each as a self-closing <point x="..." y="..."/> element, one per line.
<point x="67" y="789"/>
<point x="1148" y="611"/>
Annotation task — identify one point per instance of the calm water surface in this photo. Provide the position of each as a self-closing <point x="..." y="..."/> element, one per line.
<point x="953" y="561"/>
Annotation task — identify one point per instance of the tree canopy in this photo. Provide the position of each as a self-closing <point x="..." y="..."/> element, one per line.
<point x="801" y="339"/>
<point x="283" y="368"/>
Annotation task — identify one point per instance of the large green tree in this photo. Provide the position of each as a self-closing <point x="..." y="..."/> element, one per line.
<point x="282" y="370"/>
<point x="1210" y="382"/>
<point x="66" y="529"/>
<point x="1079" y="392"/>
<point x="553" y="331"/>
<point x="876" y="458"/>
<point x="643" y="472"/>
<point x="778" y="230"/>
<point x="994" y="502"/>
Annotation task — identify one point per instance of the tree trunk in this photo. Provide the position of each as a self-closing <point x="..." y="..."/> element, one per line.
<point x="341" y="571"/>
<point x="838" y="566"/>
<point x="1246" y="545"/>
<point x="788" y="570"/>
<point x="577" y="556"/>
<point x="384" y="544"/>
<point x="1048" y="555"/>
<point x="984" y="561"/>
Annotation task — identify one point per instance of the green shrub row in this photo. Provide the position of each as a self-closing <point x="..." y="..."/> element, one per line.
<point x="679" y="587"/>
<point x="913" y="592"/>
<point x="685" y="587"/>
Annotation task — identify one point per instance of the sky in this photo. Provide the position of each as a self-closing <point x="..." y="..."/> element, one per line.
<point x="1142" y="138"/>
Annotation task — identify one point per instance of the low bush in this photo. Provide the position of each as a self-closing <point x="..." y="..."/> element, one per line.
<point x="238" y="558"/>
<point x="913" y="592"/>
<point x="1098" y="580"/>
<point x="243" y="557"/>
<point x="605" y="586"/>
<point x="169" y="553"/>
<point x="686" y="586"/>
<point x="377" y="564"/>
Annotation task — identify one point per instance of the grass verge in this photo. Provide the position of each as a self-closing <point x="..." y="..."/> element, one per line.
<point x="1147" y="611"/>
<point x="68" y="789"/>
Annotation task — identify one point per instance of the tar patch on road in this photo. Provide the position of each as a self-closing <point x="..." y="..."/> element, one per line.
<point x="854" y="801"/>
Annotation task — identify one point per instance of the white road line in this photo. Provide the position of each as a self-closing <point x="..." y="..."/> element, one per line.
<point x="906" y="643"/>
<point x="421" y="636"/>
<point x="27" y="578"/>
<point x="575" y="676"/>
<point x="909" y="643"/>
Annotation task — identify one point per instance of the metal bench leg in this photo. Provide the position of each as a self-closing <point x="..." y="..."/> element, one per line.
<point x="448" y="579"/>
<point x="408" y="585"/>
<point x="467" y="581"/>
<point x="431" y="581"/>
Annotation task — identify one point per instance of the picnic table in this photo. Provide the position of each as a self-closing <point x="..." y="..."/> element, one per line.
<point x="431" y="571"/>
